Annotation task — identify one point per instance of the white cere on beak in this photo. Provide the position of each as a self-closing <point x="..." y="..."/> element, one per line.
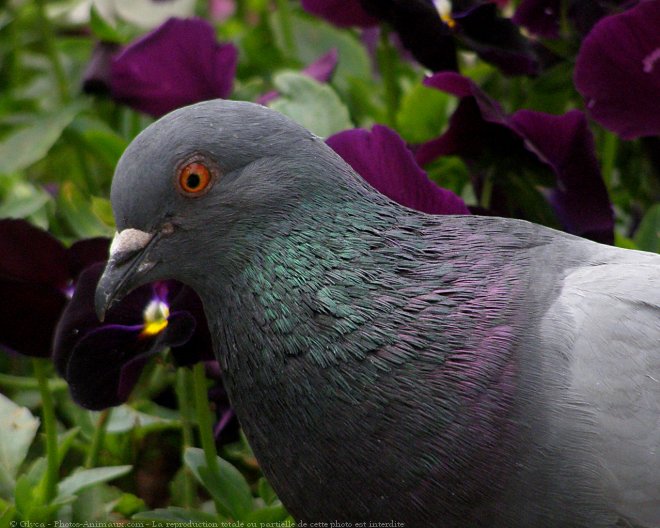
<point x="129" y="240"/>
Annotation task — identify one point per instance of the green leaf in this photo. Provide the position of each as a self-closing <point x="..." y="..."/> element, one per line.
<point x="21" y="199"/>
<point x="647" y="236"/>
<point x="17" y="430"/>
<point x="174" y="514"/>
<point x="29" y="144"/>
<point x="65" y="441"/>
<point x="314" y="37"/>
<point x="89" y="477"/>
<point x="423" y="113"/>
<point x="129" y="504"/>
<point x="23" y="493"/>
<point x="7" y="514"/>
<point x="124" y="418"/>
<point x="79" y="214"/>
<point x="102" y="29"/>
<point x="269" y="514"/>
<point x="106" y="145"/>
<point x="102" y="208"/>
<point x="266" y="492"/>
<point x="623" y="241"/>
<point x="314" y="105"/>
<point x="229" y="488"/>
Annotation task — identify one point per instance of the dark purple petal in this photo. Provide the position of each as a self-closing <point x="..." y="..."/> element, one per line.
<point x="30" y="314"/>
<point x="421" y="30"/>
<point x="102" y="361"/>
<point x="565" y="143"/>
<point x="482" y="134"/>
<point x="496" y="40"/>
<point x="382" y="158"/>
<point x="31" y="254"/>
<point x="180" y="328"/>
<point x="177" y="64"/>
<point x="320" y="70"/>
<point x="106" y="363"/>
<point x="86" y="252"/>
<point x="199" y="346"/>
<point x="540" y="17"/>
<point x="478" y="124"/>
<point x="94" y="367"/>
<point x="618" y="71"/>
<point x="79" y="317"/>
<point x="96" y="79"/>
<point x="342" y="13"/>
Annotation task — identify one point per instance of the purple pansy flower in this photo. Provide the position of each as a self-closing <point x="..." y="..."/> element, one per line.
<point x="540" y="17"/>
<point x="37" y="277"/>
<point x="526" y="142"/>
<point x="431" y="28"/>
<point x="618" y="71"/>
<point x="113" y="353"/>
<point x="341" y="13"/>
<point x="543" y="17"/>
<point x="177" y="64"/>
<point x="97" y="78"/>
<point x="320" y="70"/>
<point x="382" y="158"/>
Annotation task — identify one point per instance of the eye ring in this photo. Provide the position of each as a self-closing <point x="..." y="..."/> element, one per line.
<point x="194" y="178"/>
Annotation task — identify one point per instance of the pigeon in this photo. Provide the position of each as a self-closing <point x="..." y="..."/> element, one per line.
<point x="389" y="366"/>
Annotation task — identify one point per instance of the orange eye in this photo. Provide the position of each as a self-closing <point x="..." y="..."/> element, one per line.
<point x="194" y="178"/>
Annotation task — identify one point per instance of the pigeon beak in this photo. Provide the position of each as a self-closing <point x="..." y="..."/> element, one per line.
<point x="127" y="260"/>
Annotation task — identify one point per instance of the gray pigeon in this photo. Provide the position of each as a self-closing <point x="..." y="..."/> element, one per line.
<point x="390" y="365"/>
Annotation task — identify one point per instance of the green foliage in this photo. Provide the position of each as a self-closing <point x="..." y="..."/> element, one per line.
<point x="647" y="236"/>
<point x="17" y="429"/>
<point x="312" y="104"/>
<point x="86" y="478"/>
<point x="32" y="141"/>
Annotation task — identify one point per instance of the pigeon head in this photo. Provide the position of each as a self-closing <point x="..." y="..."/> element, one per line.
<point x="201" y="184"/>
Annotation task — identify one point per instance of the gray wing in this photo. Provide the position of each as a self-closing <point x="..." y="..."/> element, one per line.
<point x="613" y="307"/>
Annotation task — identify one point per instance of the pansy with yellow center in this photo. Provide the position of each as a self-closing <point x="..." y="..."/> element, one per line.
<point x="432" y="29"/>
<point x="102" y="362"/>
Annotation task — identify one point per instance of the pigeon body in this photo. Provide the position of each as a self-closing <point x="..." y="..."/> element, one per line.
<point x="389" y="365"/>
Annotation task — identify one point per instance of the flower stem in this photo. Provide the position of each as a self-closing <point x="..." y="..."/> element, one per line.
<point x="387" y="64"/>
<point x="610" y="144"/>
<point x="205" y="422"/>
<point x="25" y="383"/>
<point x="51" y="50"/>
<point x="284" y="18"/>
<point x="97" y="440"/>
<point x="48" y="413"/>
<point x="183" y="384"/>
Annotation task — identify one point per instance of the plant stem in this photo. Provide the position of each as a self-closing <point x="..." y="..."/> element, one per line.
<point x="486" y="191"/>
<point x="48" y="412"/>
<point x="25" y="383"/>
<point x="183" y="386"/>
<point x="386" y="63"/>
<point x="98" y="438"/>
<point x="205" y="422"/>
<point x="51" y="51"/>
<point x="610" y="144"/>
<point x="284" y="18"/>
